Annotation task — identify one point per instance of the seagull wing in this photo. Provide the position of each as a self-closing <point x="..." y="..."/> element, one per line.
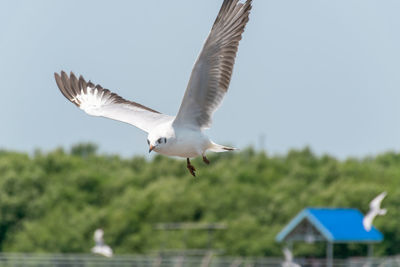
<point x="108" y="251"/>
<point x="103" y="250"/>
<point x="376" y="202"/>
<point x="212" y="71"/>
<point x="367" y="220"/>
<point x="97" y="101"/>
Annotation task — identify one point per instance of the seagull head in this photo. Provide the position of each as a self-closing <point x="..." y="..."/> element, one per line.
<point x="156" y="143"/>
<point x="161" y="137"/>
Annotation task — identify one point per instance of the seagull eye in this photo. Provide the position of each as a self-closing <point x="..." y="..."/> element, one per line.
<point x="162" y="140"/>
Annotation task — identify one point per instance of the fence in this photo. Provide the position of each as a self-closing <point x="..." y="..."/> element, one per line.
<point x="208" y="260"/>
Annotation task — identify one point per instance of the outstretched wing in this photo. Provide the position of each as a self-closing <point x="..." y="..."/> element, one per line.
<point x="367" y="221"/>
<point x="376" y="202"/>
<point x="212" y="71"/>
<point x="97" y="101"/>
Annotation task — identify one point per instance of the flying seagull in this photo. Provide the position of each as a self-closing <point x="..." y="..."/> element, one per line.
<point x="181" y="135"/>
<point x="100" y="247"/>
<point x="374" y="210"/>
<point x="288" y="259"/>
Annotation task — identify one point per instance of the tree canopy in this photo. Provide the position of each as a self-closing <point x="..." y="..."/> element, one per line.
<point x="53" y="202"/>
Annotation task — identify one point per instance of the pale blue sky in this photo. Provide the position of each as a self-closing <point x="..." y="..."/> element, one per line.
<point x="312" y="72"/>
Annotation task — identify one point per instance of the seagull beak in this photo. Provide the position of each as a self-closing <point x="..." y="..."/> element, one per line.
<point x="151" y="148"/>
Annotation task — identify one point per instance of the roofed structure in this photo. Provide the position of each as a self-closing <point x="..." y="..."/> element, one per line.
<point x="335" y="225"/>
<point x="330" y="225"/>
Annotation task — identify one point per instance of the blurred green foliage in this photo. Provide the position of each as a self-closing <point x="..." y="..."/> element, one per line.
<point x="54" y="201"/>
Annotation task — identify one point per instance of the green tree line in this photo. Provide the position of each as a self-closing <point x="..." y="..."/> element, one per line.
<point x="53" y="202"/>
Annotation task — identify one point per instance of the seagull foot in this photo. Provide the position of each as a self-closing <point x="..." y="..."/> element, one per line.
<point x="190" y="167"/>
<point x="206" y="161"/>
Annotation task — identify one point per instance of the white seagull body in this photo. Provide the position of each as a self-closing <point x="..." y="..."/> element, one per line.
<point x="374" y="210"/>
<point x="100" y="247"/>
<point x="289" y="259"/>
<point x="181" y="135"/>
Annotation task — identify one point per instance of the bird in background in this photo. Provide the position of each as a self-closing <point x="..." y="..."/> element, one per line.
<point x="100" y="247"/>
<point x="288" y="259"/>
<point x="181" y="135"/>
<point x="374" y="210"/>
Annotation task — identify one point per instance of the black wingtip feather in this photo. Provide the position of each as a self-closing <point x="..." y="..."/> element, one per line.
<point x="82" y="84"/>
<point x="70" y="87"/>
<point x="74" y="83"/>
<point x="64" y="84"/>
<point x="61" y="86"/>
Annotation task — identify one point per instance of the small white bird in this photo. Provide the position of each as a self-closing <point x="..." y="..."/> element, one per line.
<point x="289" y="259"/>
<point x="181" y="135"/>
<point x="100" y="247"/>
<point x="374" y="210"/>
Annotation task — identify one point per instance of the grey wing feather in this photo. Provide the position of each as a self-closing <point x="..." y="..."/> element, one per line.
<point x="97" y="101"/>
<point x="212" y="71"/>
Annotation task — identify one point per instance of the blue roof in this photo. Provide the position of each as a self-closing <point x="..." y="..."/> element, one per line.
<point x="339" y="225"/>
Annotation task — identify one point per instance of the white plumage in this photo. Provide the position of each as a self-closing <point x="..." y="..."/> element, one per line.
<point x="289" y="259"/>
<point x="374" y="210"/>
<point x="101" y="248"/>
<point x="181" y="135"/>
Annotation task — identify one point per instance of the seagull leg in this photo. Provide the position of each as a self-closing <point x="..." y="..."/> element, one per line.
<point x="206" y="161"/>
<point x="190" y="167"/>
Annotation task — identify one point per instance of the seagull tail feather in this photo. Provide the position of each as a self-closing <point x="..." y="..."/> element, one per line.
<point x="220" y="148"/>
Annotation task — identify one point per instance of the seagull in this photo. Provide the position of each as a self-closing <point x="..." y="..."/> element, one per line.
<point x="288" y="259"/>
<point x="181" y="135"/>
<point x="100" y="247"/>
<point x="374" y="210"/>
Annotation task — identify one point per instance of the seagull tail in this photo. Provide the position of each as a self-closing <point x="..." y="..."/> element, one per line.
<point x="219" y="148"/>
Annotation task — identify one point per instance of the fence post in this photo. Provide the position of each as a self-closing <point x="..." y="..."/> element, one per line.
<point x="329" y="254"/>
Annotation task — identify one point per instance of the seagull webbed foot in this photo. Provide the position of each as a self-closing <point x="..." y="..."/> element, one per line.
<point x="190" y="167"/>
